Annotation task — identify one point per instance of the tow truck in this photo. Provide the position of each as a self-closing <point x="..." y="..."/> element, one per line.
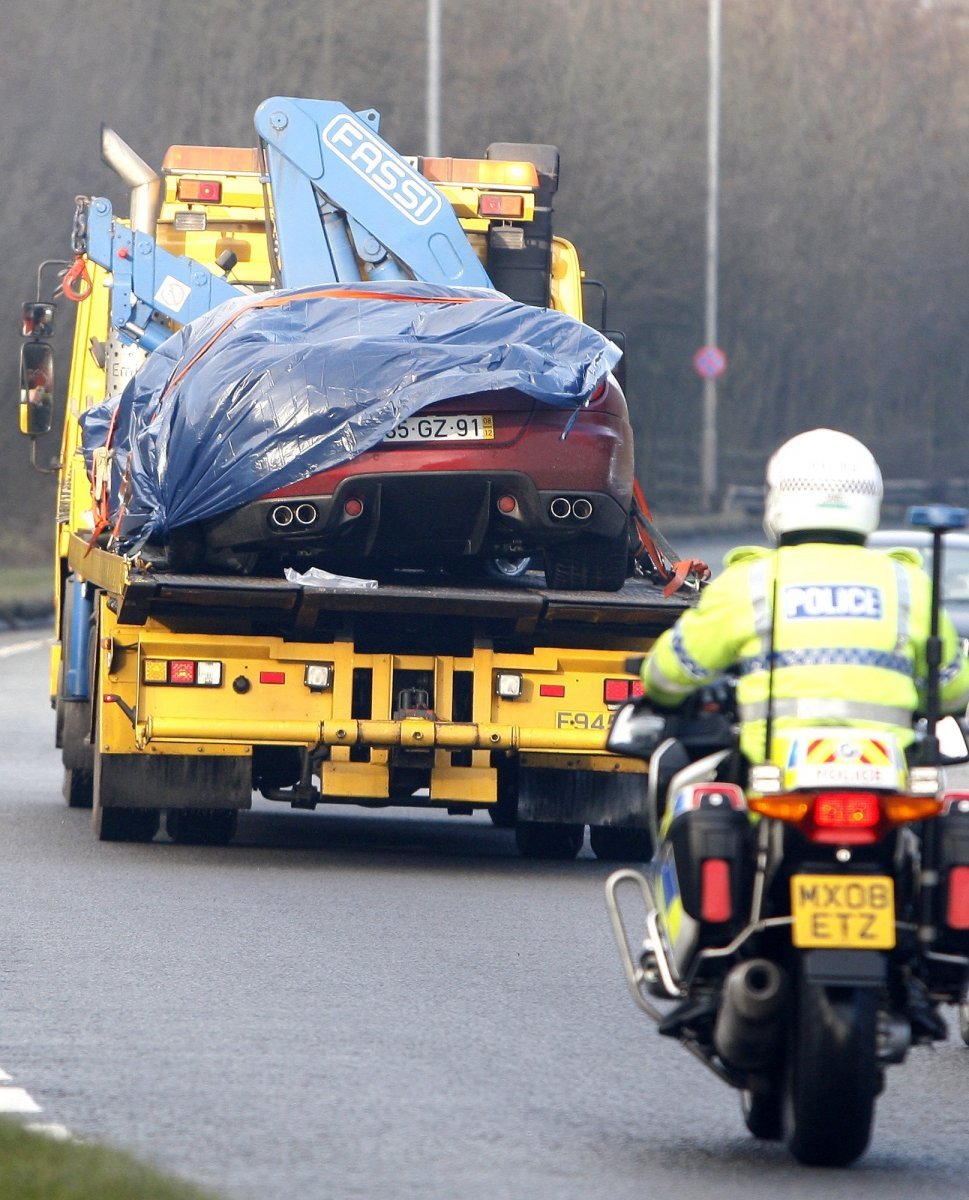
<point x="177" y="695"/>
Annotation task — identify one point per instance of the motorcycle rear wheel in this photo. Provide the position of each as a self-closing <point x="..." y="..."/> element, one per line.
<point x="832" y="1077"/>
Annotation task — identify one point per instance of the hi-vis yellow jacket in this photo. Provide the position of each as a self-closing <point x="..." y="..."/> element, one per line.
<point x="849" y="641"/>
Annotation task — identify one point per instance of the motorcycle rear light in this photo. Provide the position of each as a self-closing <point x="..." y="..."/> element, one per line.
<point x="846" y="810"/>
<point x="957" y="901"/>
<point x="715" y="901"/>
<point x="618" y="691"/>
<point x="791" y="807"/>
<point x="901" y="809"/>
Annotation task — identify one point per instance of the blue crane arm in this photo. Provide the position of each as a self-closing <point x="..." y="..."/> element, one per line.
<point x="148" y="280"/>
<point x="341" y="194"/>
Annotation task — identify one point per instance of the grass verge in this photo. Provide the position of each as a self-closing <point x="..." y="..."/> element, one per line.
<point x="36" y="1167"/>
<point x="26" y="591"/>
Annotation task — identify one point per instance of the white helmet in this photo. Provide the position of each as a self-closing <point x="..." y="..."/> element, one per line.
<point x="822" y="479"/>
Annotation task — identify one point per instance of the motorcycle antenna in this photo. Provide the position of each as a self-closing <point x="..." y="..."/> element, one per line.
<point x="769" y="719"/>
<point x="937" y="519"/>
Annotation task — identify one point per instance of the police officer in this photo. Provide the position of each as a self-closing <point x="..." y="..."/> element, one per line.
<point x="848" y="626"/>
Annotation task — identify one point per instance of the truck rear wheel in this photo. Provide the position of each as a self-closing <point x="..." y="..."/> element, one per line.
<point x="588" y="564"/>
<point x="125" y="824"/>
<point x="78" y="788"/>
<point x="612" y="843"/>
<point x="539" y="839"/>
<point x="201" y="826"/>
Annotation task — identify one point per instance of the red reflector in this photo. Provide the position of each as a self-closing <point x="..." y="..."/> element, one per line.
<point x="957" y="904"/>
<point x="614" y="691"/>
<point x="507" y="504"/>
<point x="272" y="676"/>
<point x="846" y="810"/>
<point x="551" y="689"/>
<point x="181" y="671"/>
<point x="353" y="507"/>
<point x="491" y="204"/>
<point x="207" y="191"/>
<point x="637" y="689"/>
<point x="715" y="902"/>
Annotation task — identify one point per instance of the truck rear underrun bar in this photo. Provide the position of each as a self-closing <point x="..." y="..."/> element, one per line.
<point x="413" y="733"/>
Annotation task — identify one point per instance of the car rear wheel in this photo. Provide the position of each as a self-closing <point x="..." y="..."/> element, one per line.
<point x="588" y="564"/>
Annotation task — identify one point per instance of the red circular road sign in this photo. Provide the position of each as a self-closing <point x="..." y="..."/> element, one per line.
<point x="710" y="362"/>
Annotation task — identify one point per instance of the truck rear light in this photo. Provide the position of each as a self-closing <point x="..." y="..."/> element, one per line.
<point x="552" y="689"/>
<point x="480" y="171"/>
<point x="509" y="685"/>
<point x="190" y="222"/>
<point x="494" y="204"/>
<point x="618" y="691"/>
<point x="318" y="677"/>
<point x="182" y="672"/>
<point x="957" y="900"/>
<point x="204" y="191"/>
<point x="715" y="901"/>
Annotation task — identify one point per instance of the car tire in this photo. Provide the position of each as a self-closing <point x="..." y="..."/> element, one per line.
<point x="588" y="563"/>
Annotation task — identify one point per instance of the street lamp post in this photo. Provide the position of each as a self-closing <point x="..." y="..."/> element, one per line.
<point x="433" y="134"/>
<point x="708" y="439"/>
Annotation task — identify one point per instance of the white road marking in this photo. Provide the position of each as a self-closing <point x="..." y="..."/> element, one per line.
<point x="22" y="647"/>
<point x="17" y="1100"/>
<point x="60" y="1133"/>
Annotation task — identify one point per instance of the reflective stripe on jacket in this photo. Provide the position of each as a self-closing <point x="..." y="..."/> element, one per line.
<point x="849" y="640"/>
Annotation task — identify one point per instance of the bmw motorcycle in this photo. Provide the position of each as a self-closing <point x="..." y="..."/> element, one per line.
<point x="805" y="917"/>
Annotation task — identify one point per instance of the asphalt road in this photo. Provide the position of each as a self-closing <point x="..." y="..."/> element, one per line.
<point x="357" y="1004"/>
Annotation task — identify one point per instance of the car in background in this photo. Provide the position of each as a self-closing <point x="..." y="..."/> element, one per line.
<point x="955" y="566"/>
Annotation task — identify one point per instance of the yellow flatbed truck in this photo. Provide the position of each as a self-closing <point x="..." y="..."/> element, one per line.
<point x="180" y="695"/>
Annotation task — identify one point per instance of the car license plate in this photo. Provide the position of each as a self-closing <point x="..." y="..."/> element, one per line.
<point x="843" y="912"/>
<point x="443" y="429"/>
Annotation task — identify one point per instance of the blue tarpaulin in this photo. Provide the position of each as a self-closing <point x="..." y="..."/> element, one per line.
<point x="268" y="390"/>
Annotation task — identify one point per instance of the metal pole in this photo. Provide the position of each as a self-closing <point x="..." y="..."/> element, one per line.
<point x="433" y="137"/>
<point x="708" y="445"/>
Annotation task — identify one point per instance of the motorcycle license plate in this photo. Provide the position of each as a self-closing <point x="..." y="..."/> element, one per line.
<point x="843" y="912"/>
<point x="444" y="429"/>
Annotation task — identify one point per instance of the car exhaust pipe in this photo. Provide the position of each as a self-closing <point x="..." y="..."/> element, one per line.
<point x="749" y="1023"/>
<point x="582" y="509"/>
<point x="144" y="182"/>
<point x="560" y="508"/>
<point x="305" y="514"/>
<point x="281" y="516"/>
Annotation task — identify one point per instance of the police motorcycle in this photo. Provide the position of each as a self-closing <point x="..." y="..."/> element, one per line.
<point x="804" y="921"/>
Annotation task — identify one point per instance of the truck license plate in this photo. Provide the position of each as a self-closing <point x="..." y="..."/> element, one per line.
<point x="843" y="912"/>
<point x="444" y="429"/>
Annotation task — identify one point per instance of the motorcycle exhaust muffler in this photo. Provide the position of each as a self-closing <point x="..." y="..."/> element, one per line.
<point x="750" y="1018"/>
